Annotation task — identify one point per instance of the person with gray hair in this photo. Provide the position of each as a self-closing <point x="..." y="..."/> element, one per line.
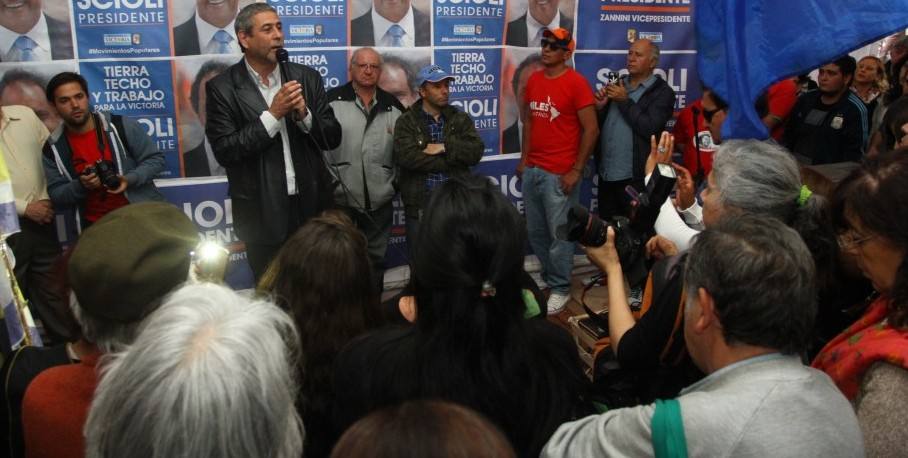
<point x="630" y="111"/>
<point x="748" y="177"/>
<point x="751" y="305"/>
<point x="121" y="268"/>
<point x="210" y="374"/>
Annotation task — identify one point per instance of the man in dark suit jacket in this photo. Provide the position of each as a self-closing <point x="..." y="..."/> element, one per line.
<point x="186" y="35"/>
<point x="269" y="137"/>
<point x="543" y="14"/>
<point x="59" y="32"/>
<point x="362" y="32"/>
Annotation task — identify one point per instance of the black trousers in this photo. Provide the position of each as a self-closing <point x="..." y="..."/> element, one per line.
<point x="37" y="252"/>
<point x="259" y="255"/>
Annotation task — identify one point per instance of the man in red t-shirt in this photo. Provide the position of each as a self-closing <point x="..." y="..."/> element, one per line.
<point x="75" y="156"/>
<point x="560" y="128"/>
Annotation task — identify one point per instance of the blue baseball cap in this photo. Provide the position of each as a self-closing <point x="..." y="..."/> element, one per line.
<point x="432" y="73"/>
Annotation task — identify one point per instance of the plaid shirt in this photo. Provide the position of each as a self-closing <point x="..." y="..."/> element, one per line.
<point x="437" y="134"/>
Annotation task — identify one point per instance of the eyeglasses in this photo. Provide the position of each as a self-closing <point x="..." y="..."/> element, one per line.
<point x="849" y="240"/>
<point x="367" y="66"/>
<point x="553" y="45"/>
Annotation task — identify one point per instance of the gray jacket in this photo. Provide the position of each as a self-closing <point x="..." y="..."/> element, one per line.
<point x="134" y="154"/>
<point x="771" y="405"/>
<point x="363" y="161"/>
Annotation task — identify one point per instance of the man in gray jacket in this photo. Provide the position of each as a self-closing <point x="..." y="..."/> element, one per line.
<point x="97" y="162"/>
<point x="750" y="308"/>
<point x="363" y="162"/>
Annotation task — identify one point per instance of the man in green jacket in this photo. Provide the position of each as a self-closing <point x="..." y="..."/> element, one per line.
<point x="433" y="141"/>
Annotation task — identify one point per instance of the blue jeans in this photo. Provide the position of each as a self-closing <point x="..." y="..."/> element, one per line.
<point x="547" y="208"/>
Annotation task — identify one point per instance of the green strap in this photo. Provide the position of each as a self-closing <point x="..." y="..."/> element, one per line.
<point x="668" y="430"/>
<point x="531" y="307"/>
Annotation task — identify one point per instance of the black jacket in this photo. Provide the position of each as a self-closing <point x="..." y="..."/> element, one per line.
<point x="646" y="117"/>
<point x="255" y="162"/>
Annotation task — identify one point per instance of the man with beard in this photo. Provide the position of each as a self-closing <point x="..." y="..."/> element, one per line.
<point x="97" y="162"/>
<point x="829" y="124"/>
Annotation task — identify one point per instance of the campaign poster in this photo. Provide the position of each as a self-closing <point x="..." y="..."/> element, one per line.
<point x="197" y="26"/>
<point x="332" y="65"/>
<point x="525" y="18"/>
<point x="386" y="23"/>
<point x="678" y="69"/>
<point x="44" y="26"/>
<point x="397" y="254"/>
<point x="518" y="65"/>
<point x="192" y="74"/>
<point x="121" y="28"/>
<point x="469" y="22"/>
<point x="475" y="89"/>
<point x="312" y="23"/>
<point x="615" y="24"/>
<point x="398" y="72"/>
<point x="206" y="203"/>
<point x="23" y="83"/>
<point x="143" y="91"/>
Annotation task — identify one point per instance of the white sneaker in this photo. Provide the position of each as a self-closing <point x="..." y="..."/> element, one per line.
<point x="556" y="303"/>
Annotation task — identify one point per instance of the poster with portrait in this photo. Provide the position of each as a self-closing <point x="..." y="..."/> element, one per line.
<point x="528" y="18"/>
<point x="24" y="83"/>
<point x="35" y="31"/>
<point x="205" y="26"/>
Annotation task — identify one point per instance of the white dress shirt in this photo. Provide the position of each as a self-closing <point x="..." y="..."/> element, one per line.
<point x="274" y="126"/>
<point x="39" y="34"/>
<point x="207" y="43"/>
<point x="380" y="27"/>
<point x="534" y="33"/>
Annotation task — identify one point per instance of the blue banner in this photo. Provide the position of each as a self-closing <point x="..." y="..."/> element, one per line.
<point x="206" y="203"/>
<point x="121" y="28"/>
<point x="469" y="22"/>
<point x="142" y="91"/>
<point x="332" y="65"/>
<point x="678" y="70"/>
<point x="475" y="89"/>
<point x="312" y="23"/>
<point x="615" y="24"/>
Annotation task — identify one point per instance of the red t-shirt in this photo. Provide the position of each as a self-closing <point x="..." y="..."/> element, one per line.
<point x="781" y="98"/>
<point x="684" y="135"/>
<point x="99" y="202"/>
<point x="554" y="124"/>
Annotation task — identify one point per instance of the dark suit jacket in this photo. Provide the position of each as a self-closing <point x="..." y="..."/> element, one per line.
<point x="255" y="162"/>
<point x="186" y="39"/>
<point x="195" y="162"/>
<point x="61" y="39"/>
<point x="510" y="139"/>
<point x="362" y="34"/>
<point x="517" y="30"/>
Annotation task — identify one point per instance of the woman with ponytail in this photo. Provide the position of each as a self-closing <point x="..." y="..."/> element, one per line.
<point x="470" y="343"/>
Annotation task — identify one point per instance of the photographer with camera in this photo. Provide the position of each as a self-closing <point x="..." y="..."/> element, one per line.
<point x="97" y="162"/>
<point x="748" y="177"/>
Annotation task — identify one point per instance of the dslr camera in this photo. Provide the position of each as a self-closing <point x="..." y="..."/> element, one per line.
<point x="105" y="172"/>
<point x="631" y="234"/>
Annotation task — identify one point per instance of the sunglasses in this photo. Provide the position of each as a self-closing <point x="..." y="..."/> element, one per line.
<point x="553" y="45"/>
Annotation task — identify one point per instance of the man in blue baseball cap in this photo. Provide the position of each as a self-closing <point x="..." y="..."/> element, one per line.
<point x="433" y="141"/>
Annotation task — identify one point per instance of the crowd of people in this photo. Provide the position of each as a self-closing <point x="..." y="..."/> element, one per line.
<point x="776" y="314"/>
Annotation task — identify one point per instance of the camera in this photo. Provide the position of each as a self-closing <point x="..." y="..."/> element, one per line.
<point x="105" y="172"/>
<point x="631" y="234"/>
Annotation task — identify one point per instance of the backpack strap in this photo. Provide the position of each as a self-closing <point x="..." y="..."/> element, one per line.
<point x="117" y="121"/>
<point x="668" y="430"/>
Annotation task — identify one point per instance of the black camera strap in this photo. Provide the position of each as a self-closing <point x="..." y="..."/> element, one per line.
<point x="97" y="118"/>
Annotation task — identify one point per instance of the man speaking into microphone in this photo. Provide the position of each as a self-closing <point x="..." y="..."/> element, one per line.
<point x="268" y="123"/>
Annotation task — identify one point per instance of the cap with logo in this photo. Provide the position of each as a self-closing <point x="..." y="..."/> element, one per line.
<point x="560" y="37"/>
<point x="432" y="74"/>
